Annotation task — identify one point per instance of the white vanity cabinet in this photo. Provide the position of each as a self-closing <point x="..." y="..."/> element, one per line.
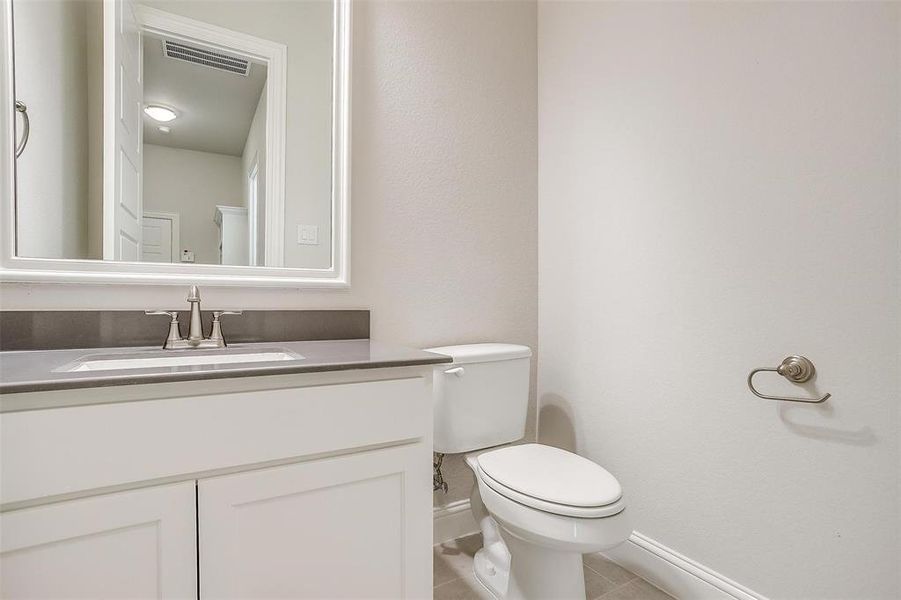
<point x="332" y="527"/>
<point x="134" y="544"/>
<point x="303" y="486"/>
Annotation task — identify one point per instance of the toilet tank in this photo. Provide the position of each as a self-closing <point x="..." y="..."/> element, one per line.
<point x="482" y="398"/>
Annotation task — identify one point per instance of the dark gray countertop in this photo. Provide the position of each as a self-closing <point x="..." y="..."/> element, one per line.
<point x="40" y="370"/>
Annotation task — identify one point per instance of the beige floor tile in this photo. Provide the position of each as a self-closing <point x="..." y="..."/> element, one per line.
<point x="637" y="589"/>
<point x="442" y="571"/>
<point x="454" y="559"/>
<point x="468" y="545"/>
<point x="604" y="580"/>
<point x="465" y="588"/>
<point x="612" y="571"/>
<point x="597" y="585"/>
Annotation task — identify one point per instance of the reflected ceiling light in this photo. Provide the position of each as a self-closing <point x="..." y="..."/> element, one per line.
<point x="159" y="113"/>
<point x="164" y="129"/>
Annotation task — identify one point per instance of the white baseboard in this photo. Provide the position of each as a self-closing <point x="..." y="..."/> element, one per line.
<point x="677" y="575"/>
<point x="453" y="521"/>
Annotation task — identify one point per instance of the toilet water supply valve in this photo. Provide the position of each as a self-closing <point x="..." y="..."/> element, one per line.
<point x="438" y="482"/>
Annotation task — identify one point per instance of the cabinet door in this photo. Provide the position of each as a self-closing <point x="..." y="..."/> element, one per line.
<point x="136" y="544"/>
<point x="353" y="526"/>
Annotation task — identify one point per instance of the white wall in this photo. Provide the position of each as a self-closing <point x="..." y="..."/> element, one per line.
<point x="191" y="184"/>
<point x="306" y="28"/>
<point x="51" y="79"/>
<point x="719" y="188"/>
<point x="444" y="229"/>
<point x="255" y="152"/>
<point x="94" y="45"/>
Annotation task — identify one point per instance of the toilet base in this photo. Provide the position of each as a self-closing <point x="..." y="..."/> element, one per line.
<point x="494" y="577"/>
<point x="491" y="564"/>
<point x="536" y="573"/>
<point x="542" y="572"/>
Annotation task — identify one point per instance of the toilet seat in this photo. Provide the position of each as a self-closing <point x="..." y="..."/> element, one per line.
<point x="551" y="480"/>
<point x="582" y="512"/>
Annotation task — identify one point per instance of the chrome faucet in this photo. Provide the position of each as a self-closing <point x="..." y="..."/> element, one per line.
<point x="195" y="338"/>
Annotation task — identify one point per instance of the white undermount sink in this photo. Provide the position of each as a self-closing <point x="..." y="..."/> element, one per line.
<point x="131" y="361"/>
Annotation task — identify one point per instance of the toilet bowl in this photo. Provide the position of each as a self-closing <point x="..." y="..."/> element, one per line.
<point x="540" y="509"/>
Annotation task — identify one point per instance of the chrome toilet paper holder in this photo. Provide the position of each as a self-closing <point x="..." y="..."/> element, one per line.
<point x="796" y="369"/>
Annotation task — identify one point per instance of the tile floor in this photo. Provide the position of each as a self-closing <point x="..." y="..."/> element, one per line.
<point x="605" y="580"/>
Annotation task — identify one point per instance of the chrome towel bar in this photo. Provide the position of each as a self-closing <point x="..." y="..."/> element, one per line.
<point x="796" y="369"/>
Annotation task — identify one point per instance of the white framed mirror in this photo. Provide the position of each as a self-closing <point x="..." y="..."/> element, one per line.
<point x="159" y="141"/>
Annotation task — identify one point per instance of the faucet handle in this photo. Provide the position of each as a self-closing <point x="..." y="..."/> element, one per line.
<point x="219" y="313"/>
<point x="170" y="313"/>
<point x="174" y="332"/>
<point x="216" y="333"/>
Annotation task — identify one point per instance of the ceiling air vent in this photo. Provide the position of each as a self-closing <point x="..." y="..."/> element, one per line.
<point x="207" y="58"/>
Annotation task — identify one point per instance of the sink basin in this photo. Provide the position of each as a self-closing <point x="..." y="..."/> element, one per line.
<point x="186" y="359"/>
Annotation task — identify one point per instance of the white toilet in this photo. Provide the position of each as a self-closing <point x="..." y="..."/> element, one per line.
<point x="539" y="508"/>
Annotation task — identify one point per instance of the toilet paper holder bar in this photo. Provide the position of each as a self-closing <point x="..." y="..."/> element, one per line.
<point x="796" y="369"/>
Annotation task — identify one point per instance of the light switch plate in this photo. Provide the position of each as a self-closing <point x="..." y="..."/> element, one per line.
<point x="187" y="256"/>
<point x="308" y="235"/>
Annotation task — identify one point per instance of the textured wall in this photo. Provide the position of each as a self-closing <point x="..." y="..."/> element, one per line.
<point x="719" y="188"/>
<point x="444" y="186"/>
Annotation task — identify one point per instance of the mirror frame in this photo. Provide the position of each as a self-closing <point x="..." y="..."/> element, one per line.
<point x="50" y="270"/>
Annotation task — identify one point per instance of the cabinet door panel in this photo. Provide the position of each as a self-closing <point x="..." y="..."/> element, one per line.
<point x="136" y="544"/>
<point x="355" y="526"/>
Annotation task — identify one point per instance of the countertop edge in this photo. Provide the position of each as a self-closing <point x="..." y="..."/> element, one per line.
<point x="151" y="378"/>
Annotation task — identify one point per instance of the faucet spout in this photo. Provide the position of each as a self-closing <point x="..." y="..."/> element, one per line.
<point x="195" y="329"/>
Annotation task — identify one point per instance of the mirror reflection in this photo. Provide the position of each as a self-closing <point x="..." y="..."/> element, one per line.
<point x="203" y="126"/>
<point x="157" y="131"/>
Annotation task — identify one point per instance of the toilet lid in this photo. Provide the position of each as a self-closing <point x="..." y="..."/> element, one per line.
<point x="552" y="475"/>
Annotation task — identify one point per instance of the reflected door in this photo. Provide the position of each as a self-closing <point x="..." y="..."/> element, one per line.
<point x="157" y="240"/>
<point x="123" y="160"/>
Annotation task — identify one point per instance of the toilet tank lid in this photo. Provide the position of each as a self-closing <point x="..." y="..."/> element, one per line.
<point x="475" y="353"/>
